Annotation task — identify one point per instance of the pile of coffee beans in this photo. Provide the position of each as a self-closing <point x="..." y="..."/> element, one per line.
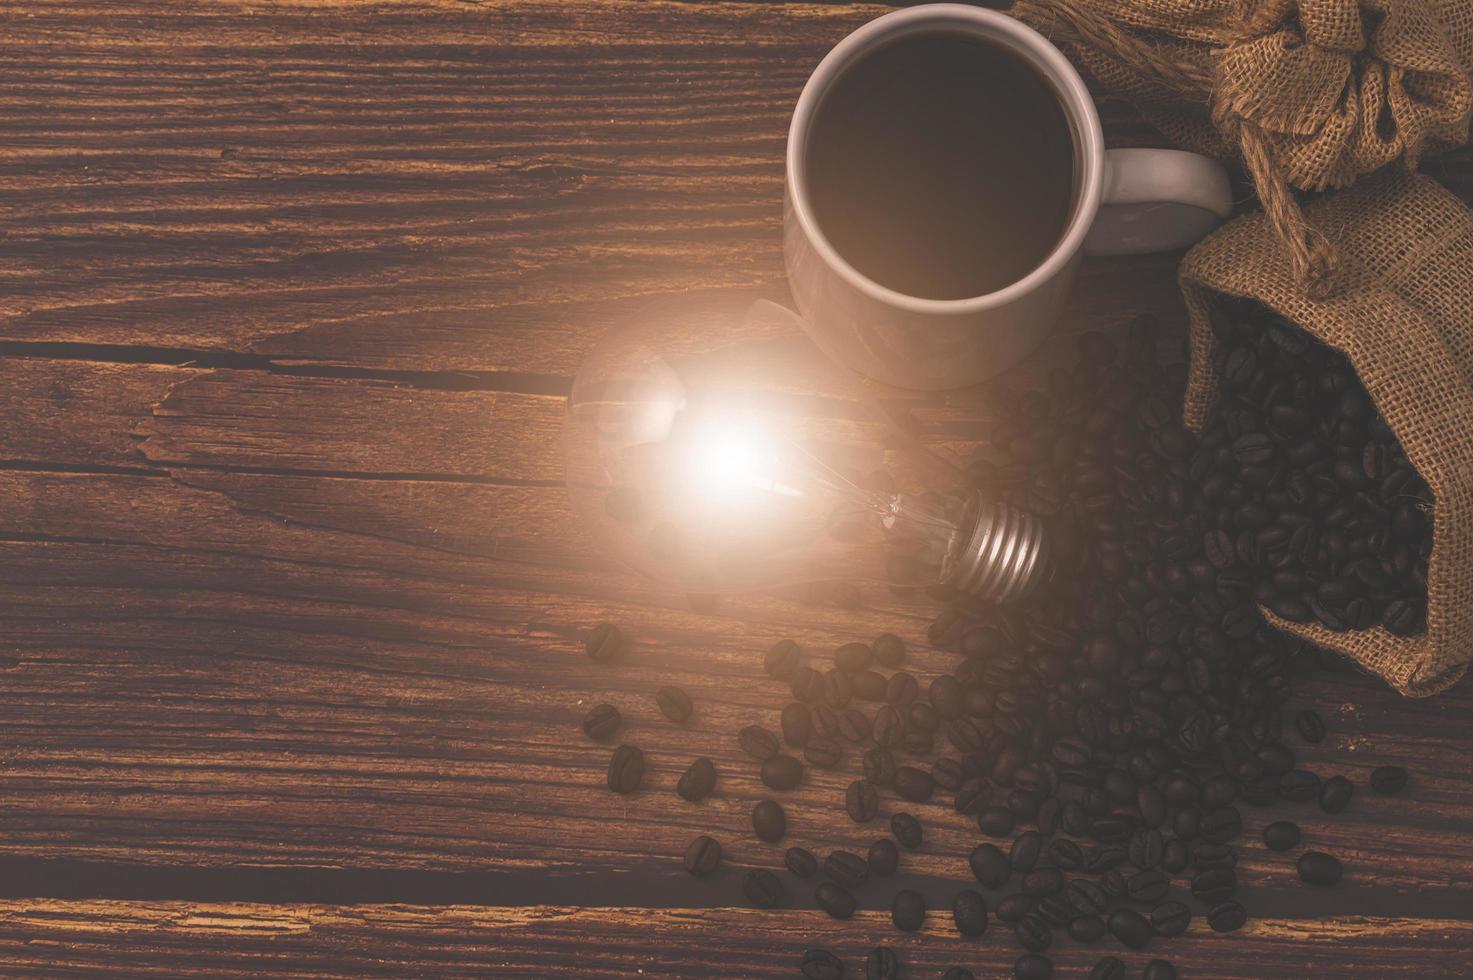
<point x="1102" y="734"/>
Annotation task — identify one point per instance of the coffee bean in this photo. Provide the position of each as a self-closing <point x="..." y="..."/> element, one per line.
<point x="1033" y="933"/>
<point x="1171" y="918"/>
<point x="626" y="769"/>
<point x="1221" y="825"/>
<point x="806" y="684"/>
<point x="1104" y="857"/>
<point x="1311" y="727"/>
<point x="1281" y="835"/>
<point x="1215" y="886"/>
<point x="801" y="862"/>
<point x="604" y="643"/>
<point x="861" y="801"/>
<point x="1227" y="917"/>
<point x="946" y="696"/>
<point x="782" y="772"/>
<point x="769" y="822"/>
<point x="674" y="704"/>
<point x="1013" y="908"/>
<point x="922" y="717"/>
<point x="969" y="909"/>
<point x="1210" y="857"/>
<point x="697" y="782"/>
<point x="1108" y="968"/>
<point x="781" y="659"/>
<point x="1023" y="856"/>
<point x="837" y="902"/>
<point x="602" y="722"/>
<point x="854" y="725"/>
<point x="838" y="689"/>
<point x="1150" y="887"/>
<point x="825" y="720"/>
<point x="868" y="685"/>
<point x="915" y="785"/>
<point x="702" y="856"/>
<point x="797" y="724"/>
<point x="990" y="866"/>
<point x="882" y="964"/>
<point x="1335" y="794"/>
<point x="889" y="726"/>
<point x="889" y="649"/>
<point x="820" y="964"/>
<point x="1033" y="966"/>
<point x="1388" y="780"/>
<point x="1087" y="897"/>
<point x="1146" y="848"/>
<point x="846" y="868"/>
<point x="823" y="752"/>
<point x="907" y="830"/>
<point x="1299" y="786"/>
<point x="762" y="888"/>
<point x="1159" y="970"/>
<point x="1130" y="927"/>
<point x="902" y="689"/>
<point x="995" y="821"/>
<point x="908" y="911"/>
<point x="884" y="858"/>
<point x="1086" y="928"/>
<point x="879" y="766"/>
<point x="1174" y="856"/>
<point x="1319" y="868"/>
<point x="854" y="657"/>
<point x="1066" y="854"/>
<point x="1043" y="881"/>
<point x="758" y="742"/>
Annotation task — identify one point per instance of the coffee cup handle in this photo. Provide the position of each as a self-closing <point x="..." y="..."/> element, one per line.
<point x="1158" y="200"/>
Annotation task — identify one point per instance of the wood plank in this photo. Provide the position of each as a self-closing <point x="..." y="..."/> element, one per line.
<point x="100" y="938"/>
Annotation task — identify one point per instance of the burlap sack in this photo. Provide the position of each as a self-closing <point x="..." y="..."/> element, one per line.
<point x="1309" y="94"/>
<point x="1404" y="317"/>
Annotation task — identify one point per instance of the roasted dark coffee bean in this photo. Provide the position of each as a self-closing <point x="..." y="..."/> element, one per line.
<point x="915" y="785"/>
<point x="1087" y="897"/>
<point x="996" y="821"/>
<point x="889" y="727"/>
<point x="1056" y="911"/>
<point x="879" y="766"/>
<point x="769" y="822"/>
<point x="1335" y="794"/>
<point x="1066" y="854"/>
<point x="1104" y="857"/>
<point x="1215" y="886"/>
<point x="1299" y="786"/>
<point x="834" y="900"/>
<point x="1209" y="857"/>
<point x="801" y="862"/>
<point x="602" y="722"/>
<point x="1148" y="887"/>
<point x="626" y="769"/>
<point x="946" y="696"/>
<point x="697" y="782"/>
<point x="674" y="704"/>
<point x="1113" y="883"/>
<point x="1033" y="933"/>
<point x="908" y="911"/>
<point x="1130" y="927"/>
<point x="823" y="752"/>
<point x="969" y="910"/>
<point x="902" y="689"/>
<point x="702" y="856"/>
<point x="854" y="657"/>
<point x="1319" y="868"/>
<point x="854" y="725"/>
<point x="1281" y="835"/>
<point x="838" y="689"/>
<point x="948" y="774"/>
<point x="881" y="964"/>
<point x="869" y="685"/>
<point x="1146" y="847"/>
<point x="1086" y="928"/>
<point x="762" y="888"/>
<point x="921" y="716"/>
<point x="1013" y="908"/>
<point x="1175" y="856"/>
<point x="820" y="964"/>
<point x="1025" y="851"/>
<point x="782" y="772"/>
<point x="758" y="742"/>
<point x="1221" y="825"/>
<point x="889" y="649"/>
<point x="884" y="857"/>
<point x="781" y="659"/>
<point x="989" y="865"/>
<point x="1388" y="780"/>
<point x="907" y="830"/>
<point x="1159" y="970"/>
<point x="1108" y="968"/>
<point x="1171" y="918"/>
<point x="1311" y="727"/>
<point x="1227" y="917"/>
<point x="846" y="868"/>
<point x="918" y="742"/>
<point x="1043" y="881"/>
<point x="825" y="720"/>
<point x="861" y="801"/>
<point x="797" y="724"/>
<point x="806" y="684"/>
<point x="604" y="643"/>
<point x="1033" y="966"/>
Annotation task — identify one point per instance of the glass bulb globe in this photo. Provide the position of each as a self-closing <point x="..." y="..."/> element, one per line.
<point x="709" y="458"/>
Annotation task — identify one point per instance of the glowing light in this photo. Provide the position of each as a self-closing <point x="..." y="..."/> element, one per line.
<point x="733" y="458"/>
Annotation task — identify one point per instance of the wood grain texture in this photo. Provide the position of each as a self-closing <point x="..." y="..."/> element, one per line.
<point x="291" y="597"/>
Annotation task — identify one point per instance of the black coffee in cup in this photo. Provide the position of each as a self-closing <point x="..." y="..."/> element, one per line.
<point x="941" y="166"/>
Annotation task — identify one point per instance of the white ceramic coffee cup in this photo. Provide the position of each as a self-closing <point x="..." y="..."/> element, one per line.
<point x="1125" y="202"/>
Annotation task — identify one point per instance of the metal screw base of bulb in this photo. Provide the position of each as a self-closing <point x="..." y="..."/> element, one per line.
<point x="1003" y="554"/>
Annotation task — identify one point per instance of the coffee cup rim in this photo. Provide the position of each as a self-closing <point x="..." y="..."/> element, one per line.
<point x="994" y="26"/>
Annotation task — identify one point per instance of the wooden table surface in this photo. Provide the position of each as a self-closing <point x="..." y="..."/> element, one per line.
<point x="291" y="599"/>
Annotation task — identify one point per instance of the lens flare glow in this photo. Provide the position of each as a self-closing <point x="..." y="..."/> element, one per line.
<point x="734" y="459"/>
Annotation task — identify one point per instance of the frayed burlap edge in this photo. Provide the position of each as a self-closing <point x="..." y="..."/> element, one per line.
<point x="1404" y="318"/>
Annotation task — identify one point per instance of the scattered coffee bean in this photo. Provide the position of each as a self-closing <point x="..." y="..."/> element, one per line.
<point x="1388" y="780"/>
<point x="1034" y="933"/>
<point x="604" y="643"/>
<point x="1216" y="886"/>
<point x="1087" y="897"/>
<point x="915" y="785"/>
<point x="782" y="772"/>
<point x="969" y="909"/>
<point x="769" y="822"/>
<point x="702" y="856"/>
<point x="1174" y="856"/>
<point x="823" y="752"/>
<point x="1159" y="970"/>
<point x="1281" y="835"/>
<point x="1227" y="917"/>
<point x="902" y="688"/>
<point x="1150" y="887"/>
<point x="908" y="911"/>
<point x="1043" y="881"/>
<point x="1311" y="726"/>
<point x="854" y="657"/>
<point x="762" y="888"/>
<point x="862" y="801"/>
<point x="882" y="964"/>
<point x="1170" y="919"/>
<point x="889" y="649"/>
<point x="1027" y="846"/>
<point x="820" y="964"/>
<point x="674" y="704"/>
<point x="1299" y="786"/>
<point x="797" y="724"/>
<point x="1033" y="966"/>
<point x="1086" y="928"/>
<point x="801" y="862"/>
<point x="1109" y="968"/>
<point x="996" y="821"/>
<point x="907" y="830"/>
<point x="781" y="659"/>
<point x="884" y="858"/>
<point x="854" y="725"/>
<point x="889" y="727"/>
<point x="869" y="685"/>
<point x="846" y="868"/>
<point x="1335" y="794"/>
<point x="697" y="782"/>
<point x="1130" y="927"/>
<point x="758" y="742"/>
<point x="838" y="689"/>
<point x="1319" y="868"/>
<point x="626" y="769"/>
<point x="602" y="722"/>
<point x="990" y="866"/>
<point x="834" y="900"/>
<point x="1012" y="908"/>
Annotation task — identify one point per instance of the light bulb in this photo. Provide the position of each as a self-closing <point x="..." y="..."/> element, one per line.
<point x="719" y="460"/>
